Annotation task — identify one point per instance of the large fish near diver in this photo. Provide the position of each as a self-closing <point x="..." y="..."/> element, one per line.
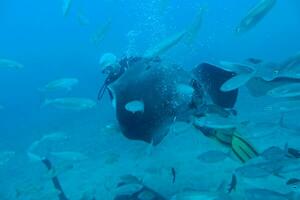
<point x="154" y="84"/>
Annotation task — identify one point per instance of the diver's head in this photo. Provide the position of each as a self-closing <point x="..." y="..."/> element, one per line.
<point x="109" y="64"/>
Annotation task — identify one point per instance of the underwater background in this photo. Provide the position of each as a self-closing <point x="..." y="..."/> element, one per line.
<point x="51" y="45"/>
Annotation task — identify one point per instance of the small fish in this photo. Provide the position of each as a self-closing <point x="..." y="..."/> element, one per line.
<point x="213" y="156"/>
<point x="236" y="67"/>
<point x="233" y="183"/>
<point x="274" y="153"/>
<point x="82" y="19"/>
<point x="101" y="33"/>
<point x="173" y="174"/>
<point x="290" y="67"/>
<point x="265" y="194"/>
<point x="11" y="64"/>
<point x="66" y="7"/>
<point x="69" y="155"/>
<point x="295" y="153"/>
<point x="70" y="103"/>
<point x="288" y="90"/>
<point x="294" y="182"/>
<point x="135" y="106"/>
<point x="56" y="136"/>
<point x="193" y="30"/>
<point x="164" y="46"/>
<point x="254" y="61"/>
<point x="284" y="106"/>
<point x="255" y="15"/>
<point x="216" y="121"/>
<point x="60" y="84"/>
<point x="236" y="82"/>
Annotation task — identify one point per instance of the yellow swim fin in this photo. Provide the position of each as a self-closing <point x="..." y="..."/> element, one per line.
<point x="242" y="149"/>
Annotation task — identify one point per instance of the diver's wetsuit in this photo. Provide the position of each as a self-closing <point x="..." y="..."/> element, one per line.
<point x="112" y="77"/>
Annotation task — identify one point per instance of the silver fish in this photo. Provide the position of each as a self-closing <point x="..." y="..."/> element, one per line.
<point x="60" y="84"/>
<point x="70" y="103"/>
<point x="193" y="30"/>
<point x="236" y="82"/>
<point x="5" y="63"/>
<point x="288" y="90"/>
<point x="66" y="7"/>
<point x="290" y="67"/>
<point x="237" y="68"/>
<point x="283" y="106"/>
<point x="69" y="155"/>
<point x="165" y="45"/>
<point x="216" y="121"/>
<point x="255" y="15"/>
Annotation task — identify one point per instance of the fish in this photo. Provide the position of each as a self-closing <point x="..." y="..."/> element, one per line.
<point x="216" y="121"/>
<point x="243" y="74"/>
<point x="135" y="106"/>
<point x="6" y="156"/>
<point x="263" y="194"/>
<point x="69" y="155"/>
<point x="290" y="67"/>
<point x="213" y="156"/>
<point x="236" y="82"/>
<point x="264" y="168"/>
<point x="82" y="19"/>
<point x="274" y="153"/>
<point x="258" y="86"/>
<point x="70" y="103"/>
<point x="101" y="33"/>
<point x="66" y="6"/>
<point x="255" y="15"/>
<point x="283" y="106"/>
<point x="288" y="90"/>
<point x="294" y="182"/>
<point x="193" y="30"/>
<point x="254" y="60"/>
<point x="164" y="46"/>
<point x="11" y="64"/>
<point x="173" y="171"/>
<point x="237" y="68"/>
<point x="63" y="84"/>
<point x="233" y="183"/>
<point x="56" y="136"/>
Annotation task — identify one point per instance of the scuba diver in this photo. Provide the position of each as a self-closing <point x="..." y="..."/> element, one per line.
<point x="149" y="94"/>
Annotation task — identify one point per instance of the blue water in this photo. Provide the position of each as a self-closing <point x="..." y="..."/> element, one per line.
<point x="50" y="46"/>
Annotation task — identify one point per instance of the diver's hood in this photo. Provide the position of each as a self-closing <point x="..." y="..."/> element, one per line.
<point x="153" y="83"/>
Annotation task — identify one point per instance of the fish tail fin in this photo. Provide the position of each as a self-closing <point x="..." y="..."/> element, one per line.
<point x="242" y="149"/>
